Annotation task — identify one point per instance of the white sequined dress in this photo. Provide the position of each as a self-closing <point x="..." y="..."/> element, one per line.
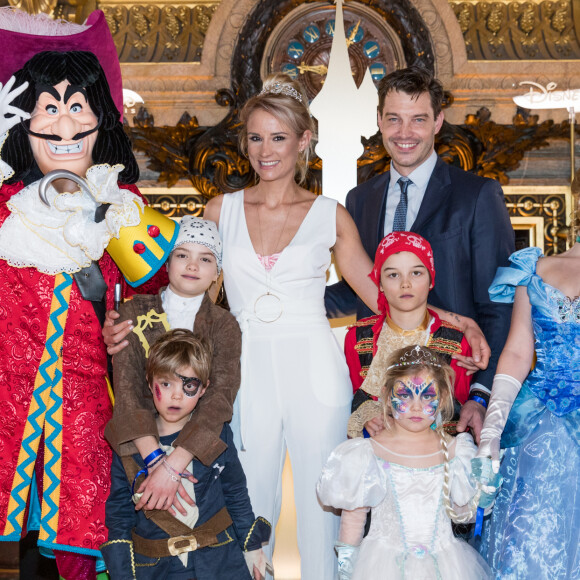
<point x="410" y="537"/>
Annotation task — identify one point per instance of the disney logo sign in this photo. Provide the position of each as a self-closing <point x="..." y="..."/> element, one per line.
<point x="547" y="98"/>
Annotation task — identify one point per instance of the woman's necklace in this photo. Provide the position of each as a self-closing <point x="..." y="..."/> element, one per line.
<point x="268" y="307"/>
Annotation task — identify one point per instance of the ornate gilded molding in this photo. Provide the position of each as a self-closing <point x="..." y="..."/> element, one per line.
<point x="159" y="33"/>
<point x="206" y="156"/>
<point x="540" y="216"/>
<point x="446" y="39"/>
<point x="518" y="30"/>
<point x="34" y="6"/>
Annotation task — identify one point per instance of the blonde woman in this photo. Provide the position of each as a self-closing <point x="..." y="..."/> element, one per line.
<point x="278" y="238"/>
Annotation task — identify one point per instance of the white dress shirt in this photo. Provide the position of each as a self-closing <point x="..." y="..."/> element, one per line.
<point x="180" y="311"/>
<point x="420" y="178"/>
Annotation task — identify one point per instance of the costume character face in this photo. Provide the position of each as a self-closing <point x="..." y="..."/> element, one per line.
<point x="414" y="401"/>
<point x="408" y="127"/>
<point x="192" y="268"/>
<point x="273" y="147"/>
<point x="405" y="282"/>
<point x="71" y="89"/>
<point x="175" y="397"/>
<point x="63" y="129"/>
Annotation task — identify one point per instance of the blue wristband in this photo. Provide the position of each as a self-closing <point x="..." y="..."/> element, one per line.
<point x="479" y="400"/>
<point x="142" y="472"/>
<point x="478" y="522"/>
<point x="152" y="456"/>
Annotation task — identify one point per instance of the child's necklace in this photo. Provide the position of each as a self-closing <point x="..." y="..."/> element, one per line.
<point x="407" y="456"/>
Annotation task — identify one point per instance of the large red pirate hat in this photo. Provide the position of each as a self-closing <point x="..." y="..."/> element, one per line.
<point x="94" y="36"/>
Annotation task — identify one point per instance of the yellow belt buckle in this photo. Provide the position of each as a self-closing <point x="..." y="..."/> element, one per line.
<point x="175" y="551"/>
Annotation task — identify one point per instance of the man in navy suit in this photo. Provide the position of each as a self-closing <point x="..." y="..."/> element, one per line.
<point x="462" y="215"/>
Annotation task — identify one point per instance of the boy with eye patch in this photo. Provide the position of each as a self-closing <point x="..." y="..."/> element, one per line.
<point x="404" y="272"/>
<point x="216" y="537"/>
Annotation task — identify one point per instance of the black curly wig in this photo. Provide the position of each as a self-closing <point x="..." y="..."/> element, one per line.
<point x="82" y="69"/>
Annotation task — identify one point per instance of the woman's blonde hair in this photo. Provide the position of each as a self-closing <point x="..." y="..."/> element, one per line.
<point x="413" y="360"/>
<point x="280" y="97"/>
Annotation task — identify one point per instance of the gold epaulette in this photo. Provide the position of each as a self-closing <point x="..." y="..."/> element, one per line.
<point x="444" y="345"/>
<point x="449" y="325"/>
<point x="369" y="321"/>
<point x="364" y="345"/>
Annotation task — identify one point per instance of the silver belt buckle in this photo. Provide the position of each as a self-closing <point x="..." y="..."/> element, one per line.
<point x="190" y="547"/>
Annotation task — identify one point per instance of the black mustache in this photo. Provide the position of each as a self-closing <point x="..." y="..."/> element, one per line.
<point x="77" y="137"/>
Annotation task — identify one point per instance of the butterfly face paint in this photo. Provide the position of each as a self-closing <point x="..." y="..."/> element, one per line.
<point x="415" y="393"/>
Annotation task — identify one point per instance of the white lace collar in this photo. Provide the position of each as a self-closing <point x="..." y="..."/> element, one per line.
<point x="64" y="237"/>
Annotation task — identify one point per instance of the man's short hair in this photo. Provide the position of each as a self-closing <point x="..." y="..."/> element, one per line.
<point x="176" y="349"/>
<point x="413" y="81"/>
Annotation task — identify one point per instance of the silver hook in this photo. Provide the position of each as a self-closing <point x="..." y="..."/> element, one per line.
<point x="60" y="174"/>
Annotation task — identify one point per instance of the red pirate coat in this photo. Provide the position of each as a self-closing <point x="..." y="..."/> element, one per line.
<point x="53" y="366"/>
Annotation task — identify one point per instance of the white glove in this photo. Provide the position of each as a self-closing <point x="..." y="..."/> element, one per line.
<point x="257" y="559"/>
<point x="347" y="556"/>
<point x="6" y="97"/>
<point x="504" y="391"/>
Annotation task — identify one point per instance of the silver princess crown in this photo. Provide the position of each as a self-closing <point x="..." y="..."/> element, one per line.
<point x="279" y="88"/>
<point x="422" y="357"/>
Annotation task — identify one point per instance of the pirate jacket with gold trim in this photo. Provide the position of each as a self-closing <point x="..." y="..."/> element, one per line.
<point x="53" y="365"/>
<point x="220" y="485"/>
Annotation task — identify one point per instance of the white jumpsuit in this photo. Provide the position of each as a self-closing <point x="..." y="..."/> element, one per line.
<point x="295" y="389"/>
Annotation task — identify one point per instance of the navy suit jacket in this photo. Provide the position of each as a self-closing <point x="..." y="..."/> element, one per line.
<point x="464" y="218"/>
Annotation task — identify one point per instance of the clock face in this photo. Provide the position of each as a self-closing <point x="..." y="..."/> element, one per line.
<point x="300" y="45"/>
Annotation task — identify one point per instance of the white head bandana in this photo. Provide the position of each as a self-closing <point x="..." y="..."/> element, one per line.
<point x="193" y="230"/>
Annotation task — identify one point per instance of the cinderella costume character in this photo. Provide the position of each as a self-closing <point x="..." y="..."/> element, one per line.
<point x="534" y="528"/>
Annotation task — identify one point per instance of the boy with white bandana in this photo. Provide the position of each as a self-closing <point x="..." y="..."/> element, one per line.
<point x="193" y="266"/>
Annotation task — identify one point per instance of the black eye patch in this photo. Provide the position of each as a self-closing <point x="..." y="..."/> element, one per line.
<point x="191" y="385"/>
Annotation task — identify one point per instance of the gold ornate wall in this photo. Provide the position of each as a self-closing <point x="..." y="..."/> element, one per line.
<point x="507" y="30"/>
<point x="176" y="55"/>
<point x="159" y="33"/>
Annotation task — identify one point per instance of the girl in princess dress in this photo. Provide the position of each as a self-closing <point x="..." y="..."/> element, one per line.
<point x="413" y="477"/>
<point x="535" y="528"/>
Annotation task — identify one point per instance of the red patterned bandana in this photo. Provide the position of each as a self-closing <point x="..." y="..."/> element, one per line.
<point x="394" y="243"/>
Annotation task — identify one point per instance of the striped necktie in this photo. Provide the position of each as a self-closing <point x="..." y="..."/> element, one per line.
<point x="400" y="221"/>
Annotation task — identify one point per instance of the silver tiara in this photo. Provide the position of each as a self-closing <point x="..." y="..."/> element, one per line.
<point x="279" y="88"/>
<point x="424" y="357"/>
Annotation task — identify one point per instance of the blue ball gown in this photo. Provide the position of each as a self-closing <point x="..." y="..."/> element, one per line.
<point x="533" y="532"/>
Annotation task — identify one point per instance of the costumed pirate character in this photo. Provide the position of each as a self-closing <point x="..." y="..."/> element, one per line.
<point x="54" y="276"/>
